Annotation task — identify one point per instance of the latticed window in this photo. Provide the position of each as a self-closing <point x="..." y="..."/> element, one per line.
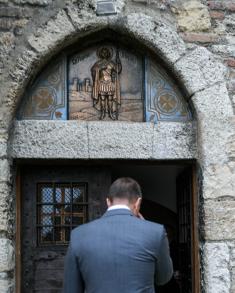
<point x="60" y="208"/>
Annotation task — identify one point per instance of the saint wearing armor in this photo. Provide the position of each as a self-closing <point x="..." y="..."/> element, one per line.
<point x="106" y="86"/>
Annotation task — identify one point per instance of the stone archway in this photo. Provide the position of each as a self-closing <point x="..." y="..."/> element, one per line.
<point x="205" y="80"/>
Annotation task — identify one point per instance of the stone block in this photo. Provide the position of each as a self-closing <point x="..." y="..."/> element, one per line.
<point x="219" y="219"/>
<point x="6" y="286"/>
<point x="6" y="23"/>
<point x="174" y="140"/>
<point x="201" y="38"/>
<point x="3" y="146"/>
<point x="224" y="50"/>
<point x="7" y="262"/>
<point x="200" y="69"/>
<point x="217" y="273"/>
<point x="86" y="20"/>
<point x="4" y="170"/>
<point x="4" y="206"/>
<point x="33" y="2"/>
<point x="50" y="139"/>
<point x="217" y="14"/>
<point x="162" y="36"/>
<point x="15" y="12"/>
<point x="192" y="16"/>
<point x="111" y="140"/>
<point x="53" y="34"/>
<point x="213" y="102"/>
<point x="214" y="137"/>
<point x="219" y="181"/>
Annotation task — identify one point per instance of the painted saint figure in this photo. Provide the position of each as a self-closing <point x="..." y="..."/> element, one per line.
<point x="106" y="85"/>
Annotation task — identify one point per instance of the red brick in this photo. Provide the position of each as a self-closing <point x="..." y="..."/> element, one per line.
<point x="217" y="14"/>
<point x="200" y="37"/>
<point x="216" y="5"/>
<point x="230" y="62"/>
<point x="230" y="6"/>
<point x="221" y="5"/>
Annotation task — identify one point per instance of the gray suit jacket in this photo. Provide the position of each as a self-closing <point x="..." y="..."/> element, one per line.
<point x="118" y="253"/>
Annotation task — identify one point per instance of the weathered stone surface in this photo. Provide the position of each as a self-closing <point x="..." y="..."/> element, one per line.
<point x="200" y="69"/>
<point x="50" y="139"/>
<point x="4" y="170"/>
<point x="6" y="255"/>
<point x="232" y="264"/>
<point x="214" y="134"/>
<point x="6" y="286"/>
<point x="174" y="140"/>
<point x="33" y="2"/>
<point x="192" y="16"/>
<point x="120" y="140"/>
<point x="85" y="21"/>
<point x="4" y="206"/>
<point x="53" y="34"/>
<point x="162" y="37"/>
<point x="216" y="258"/>
<point x="68" y="139"/>
<point x="219" y="181"/>
<point x="220" y="219"/>
<point x="213" y="101"/>
<point x="3" y="146"/>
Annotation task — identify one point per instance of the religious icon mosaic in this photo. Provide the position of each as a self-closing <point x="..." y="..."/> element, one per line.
<point x="47" y="97"/>
<point x="105" y="82"/>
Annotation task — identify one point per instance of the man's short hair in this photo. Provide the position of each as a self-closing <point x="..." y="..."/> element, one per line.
<point x="125" y="188"/>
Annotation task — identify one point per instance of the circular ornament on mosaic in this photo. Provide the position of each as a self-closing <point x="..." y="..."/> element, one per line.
<point x="44" y="98"/>
<point x="167" y="103"/>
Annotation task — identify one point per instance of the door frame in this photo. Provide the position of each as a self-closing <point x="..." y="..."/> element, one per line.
<point x="196" y="284"/>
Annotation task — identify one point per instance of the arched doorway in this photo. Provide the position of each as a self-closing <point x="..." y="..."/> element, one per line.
<point x="56" y="199"/>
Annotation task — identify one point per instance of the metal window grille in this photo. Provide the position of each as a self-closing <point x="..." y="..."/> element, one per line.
<point x="60" y="208"/>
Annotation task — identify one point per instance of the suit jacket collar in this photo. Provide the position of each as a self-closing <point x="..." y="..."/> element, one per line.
<point x="116" y="212"/>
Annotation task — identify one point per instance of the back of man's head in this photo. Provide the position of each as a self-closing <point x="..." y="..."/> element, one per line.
<point x="124" y="188"/>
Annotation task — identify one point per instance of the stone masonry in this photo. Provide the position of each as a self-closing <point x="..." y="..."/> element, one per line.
<point x="196" y="40"/>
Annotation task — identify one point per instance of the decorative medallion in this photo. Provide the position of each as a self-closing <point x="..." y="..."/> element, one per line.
<point x="47" y="97"/>
<point x="164" y="101"/>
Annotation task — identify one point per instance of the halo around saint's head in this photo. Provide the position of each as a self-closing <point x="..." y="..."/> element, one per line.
<point x="105" y="53"/>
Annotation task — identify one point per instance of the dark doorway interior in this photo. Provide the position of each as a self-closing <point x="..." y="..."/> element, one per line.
<point x="56" y="199"/>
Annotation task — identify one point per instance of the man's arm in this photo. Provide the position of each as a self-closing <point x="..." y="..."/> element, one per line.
<point x="164" y="267"/>
<point x="73" y="282"/>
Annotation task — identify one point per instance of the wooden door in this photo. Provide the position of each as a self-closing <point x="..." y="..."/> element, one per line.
<point x="54" y="201"/>
<point x="187" y="232"/>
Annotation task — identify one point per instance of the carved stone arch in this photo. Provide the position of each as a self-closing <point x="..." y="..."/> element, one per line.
<point x="197" y="69"/>
<point x="202" y="74"/>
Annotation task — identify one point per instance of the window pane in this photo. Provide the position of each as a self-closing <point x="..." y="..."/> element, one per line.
<point x="78" y="195"/>
<point x="47" y="194"/>
<point x="59" y="211"/>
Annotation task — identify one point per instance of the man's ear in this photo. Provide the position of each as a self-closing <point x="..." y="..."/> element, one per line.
<point x="108" y="202"/>
<point x="138" y="203"/>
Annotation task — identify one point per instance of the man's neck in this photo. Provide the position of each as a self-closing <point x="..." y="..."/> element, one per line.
<point x="118" y="206"/>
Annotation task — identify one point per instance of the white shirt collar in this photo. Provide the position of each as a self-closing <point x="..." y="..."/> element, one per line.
<point x="118" y="206"/>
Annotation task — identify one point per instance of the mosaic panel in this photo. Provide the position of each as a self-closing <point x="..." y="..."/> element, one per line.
<point x="106" y="83"/>
<point x="164" y="101"/>
<point x="47" y="98"/>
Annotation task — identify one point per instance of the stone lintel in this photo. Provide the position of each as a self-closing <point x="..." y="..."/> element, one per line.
<point x="102" y="139"/>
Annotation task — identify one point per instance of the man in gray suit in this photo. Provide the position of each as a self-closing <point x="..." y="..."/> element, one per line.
<point x="120" y="252"/>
